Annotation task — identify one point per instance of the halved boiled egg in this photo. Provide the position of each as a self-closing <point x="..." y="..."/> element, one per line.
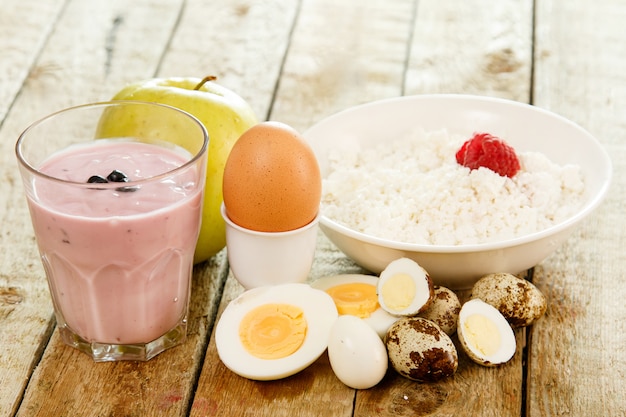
<point x="484" y="333"/>
<point x="275" y="331"/>
<point x="404" y="288"/>
<point x="355" y="295"/>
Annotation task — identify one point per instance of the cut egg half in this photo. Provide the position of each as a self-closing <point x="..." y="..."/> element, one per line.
<point x="485" y="334"/>
<point x="273" y="332"/>
<point x="355" y="295"/>
<point x="404" y="288"/>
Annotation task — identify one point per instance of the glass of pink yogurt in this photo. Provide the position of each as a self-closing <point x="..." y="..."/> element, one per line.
<point x="115" y="195"/>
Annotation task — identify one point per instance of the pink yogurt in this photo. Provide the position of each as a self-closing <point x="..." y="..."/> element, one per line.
<point x="119" y="263"/>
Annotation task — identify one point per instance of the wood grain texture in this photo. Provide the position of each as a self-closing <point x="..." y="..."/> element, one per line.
<point x="487" y="52"/>
<point x="221" y="392"/>
<point x="342" y="54"/>
<point x="472" y="47"/>
<point x="33" y="20"/>
<point x="72" y="67"/>
<point x="25" y="308"/>
<point x="68" y="382"/>
<point x="576" y="361"/>
<point x="328" y="60"/>
<point x="496" y="391"/>
<point x="298" y="61"/>
<point x="243" y="43"/>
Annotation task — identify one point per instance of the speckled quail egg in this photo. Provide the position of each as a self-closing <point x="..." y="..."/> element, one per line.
<point x="419" y="350"/>
<point x="404" y="288"/>
<point x="355" y="294"/>
<point x="484" y="333"/>
<point x="275" y="331"/>
<point x="519" y="301"/>
<point x="443" y="309"/>
<point x="356" y="353"/>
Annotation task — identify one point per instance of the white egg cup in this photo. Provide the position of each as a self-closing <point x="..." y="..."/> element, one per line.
<point x="270" y="258"/>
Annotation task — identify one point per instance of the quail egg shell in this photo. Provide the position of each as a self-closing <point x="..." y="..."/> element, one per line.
<point x="276" y="331"/>
<point x="355" y="294"/>
<point x="404" y="288"/>
<point x="484" y="333"/>
<point x="519" y="301"/>
<point x="357" y="354"/>
<point x="444" y="309"/>
<point x="419" y="350"/>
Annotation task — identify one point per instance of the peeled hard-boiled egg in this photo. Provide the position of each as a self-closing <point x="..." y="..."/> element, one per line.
<point x="484" y="333"/>
<point x="404" y="288"/>
<point x="272" y="180"/>
<point x="357" y="354"/>
<point x="355" y="294"/>
<point x="276" y="331"/>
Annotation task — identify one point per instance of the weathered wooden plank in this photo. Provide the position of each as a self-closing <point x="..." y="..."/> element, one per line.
<point x="574" y="357"/>
<point x="33" y="20"/>
<point x="25" y="309"/>
<point x="241" y="42"/>
<point x="472" y="47"/>
<point x="91" y="53"/>
<point x="576" y="360"/>
<point x="341" y="54"/>
<point x="220" y="392"/>
<point x="68" y="382"/>
<point x="153" y="380"/>
<point x="473" y="391"/>
<point x="487" y="53"/>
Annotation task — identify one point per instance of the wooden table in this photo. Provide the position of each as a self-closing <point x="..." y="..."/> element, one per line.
<point x="297" y="62"/>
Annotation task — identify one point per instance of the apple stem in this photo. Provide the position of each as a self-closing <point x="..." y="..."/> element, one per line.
<point x="204" y="81"/>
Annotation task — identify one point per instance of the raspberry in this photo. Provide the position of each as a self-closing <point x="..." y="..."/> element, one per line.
<point x="485" y="150"/>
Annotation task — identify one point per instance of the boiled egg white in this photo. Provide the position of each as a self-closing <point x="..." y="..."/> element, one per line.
<point x="355" y="294"/>
<point x="275" y="331"/>
<point x="484" y="333"/>
<point x="404" y="288"/>
<point x="357" y="355"/>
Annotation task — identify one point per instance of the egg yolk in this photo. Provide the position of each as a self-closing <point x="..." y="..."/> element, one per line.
<point x="273" y="331"/>
<point x="398" y="291"/>
<point x="355" y="299"/>
<point x="483" y="334"/>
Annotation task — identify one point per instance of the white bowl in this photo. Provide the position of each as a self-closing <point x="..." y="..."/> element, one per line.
<point x="525" y="127"/>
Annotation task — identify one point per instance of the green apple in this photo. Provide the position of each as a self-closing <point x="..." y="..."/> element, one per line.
<point x="224" y="113"/>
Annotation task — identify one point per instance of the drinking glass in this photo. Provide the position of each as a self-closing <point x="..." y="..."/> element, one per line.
<point x="115" y="194"/>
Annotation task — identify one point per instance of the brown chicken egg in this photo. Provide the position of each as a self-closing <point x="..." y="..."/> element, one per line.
<point x="272" y="181"/>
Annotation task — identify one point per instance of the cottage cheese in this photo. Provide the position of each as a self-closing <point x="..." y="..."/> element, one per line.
<point x="412" y="190"/>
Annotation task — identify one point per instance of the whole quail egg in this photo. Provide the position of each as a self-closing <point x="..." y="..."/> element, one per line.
<point x="519" y="301"/>
<point x="443" y="309"/>
<point x="419" y="350"/>
<point x="484" y="333"/>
